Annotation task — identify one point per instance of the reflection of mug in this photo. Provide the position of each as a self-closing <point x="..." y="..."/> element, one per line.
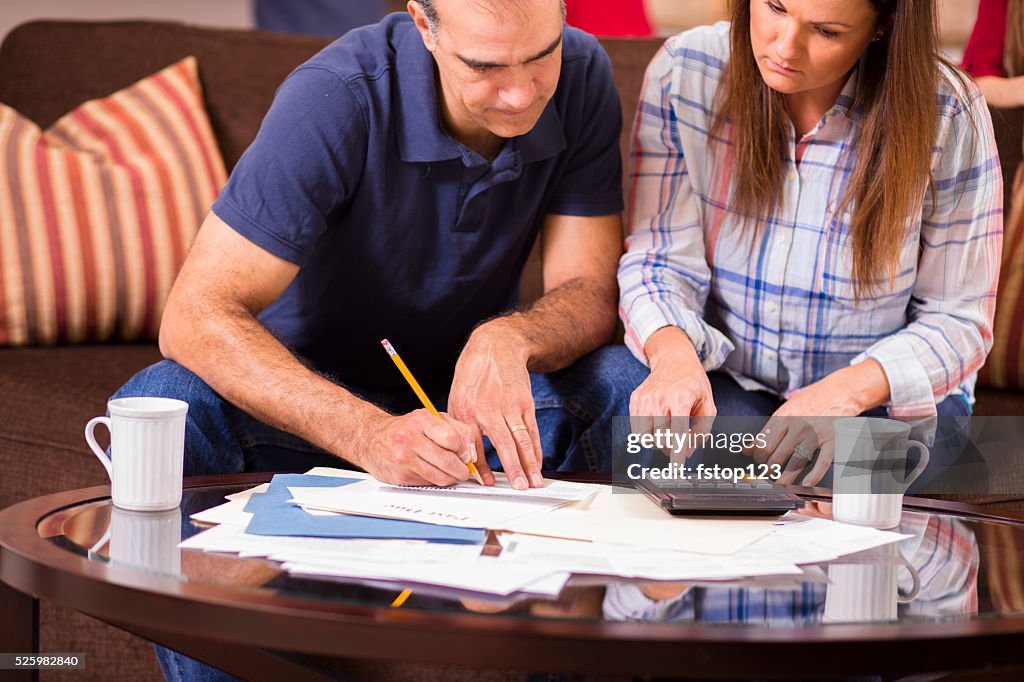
<point x="870" y="470"/>
<point x="869" y="591"/>
<point x="147" y="444"/>
<point x="144" y="540"/>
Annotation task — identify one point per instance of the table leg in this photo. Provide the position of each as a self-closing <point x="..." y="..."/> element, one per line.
<point x="19" y="629"/>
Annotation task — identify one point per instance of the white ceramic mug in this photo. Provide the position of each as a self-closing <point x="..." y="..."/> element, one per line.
<point x="869" y="474"/>
<point x="147" y="445"/>
<point x="144" y="540"/>
<point x="868" y="591"/>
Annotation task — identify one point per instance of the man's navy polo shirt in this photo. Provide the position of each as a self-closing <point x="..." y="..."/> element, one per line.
<point x="400" y="231"/>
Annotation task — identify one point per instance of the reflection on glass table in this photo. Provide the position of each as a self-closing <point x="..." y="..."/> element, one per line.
<point x="939" y="573"/>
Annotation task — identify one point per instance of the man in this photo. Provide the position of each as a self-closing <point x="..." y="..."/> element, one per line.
<point x="394" y="190"/>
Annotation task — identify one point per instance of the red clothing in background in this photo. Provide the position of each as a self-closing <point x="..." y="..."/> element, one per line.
<point x="608" y="17"/>
<point x="983" y="55"/>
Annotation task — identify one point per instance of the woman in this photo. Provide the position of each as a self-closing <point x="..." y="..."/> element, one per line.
<point x="609" y="17"/>
<point x="995" y="52"/>
<point x="816" y="211"/>
<point x="995" y="58"/>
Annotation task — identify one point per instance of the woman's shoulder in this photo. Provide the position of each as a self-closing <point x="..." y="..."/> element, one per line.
<point x="965" y="124"/>
<point x="956" y="93"/>
<point x="700" y="48"/>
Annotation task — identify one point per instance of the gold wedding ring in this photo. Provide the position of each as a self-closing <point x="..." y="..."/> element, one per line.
<point x="518" y="427"/>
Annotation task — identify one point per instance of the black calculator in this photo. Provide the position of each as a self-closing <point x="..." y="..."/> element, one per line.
<point x="747" y="497"/>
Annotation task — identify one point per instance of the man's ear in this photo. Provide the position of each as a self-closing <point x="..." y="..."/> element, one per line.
<point x="420" y="19"/>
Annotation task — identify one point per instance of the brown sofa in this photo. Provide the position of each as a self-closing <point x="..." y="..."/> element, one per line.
<point x="48" y="394"/>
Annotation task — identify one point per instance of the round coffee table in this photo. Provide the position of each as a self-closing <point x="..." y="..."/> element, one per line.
<point x="248" y="616"/>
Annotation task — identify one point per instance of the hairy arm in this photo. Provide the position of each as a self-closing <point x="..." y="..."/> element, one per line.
<point x="210" y="327"/>
<point x="491" y="388"/>
<point x="576" y="314"/>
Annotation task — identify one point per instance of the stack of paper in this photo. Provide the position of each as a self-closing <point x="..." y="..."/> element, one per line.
<point x="343" y="524"/>
<point x="465" y="506"/>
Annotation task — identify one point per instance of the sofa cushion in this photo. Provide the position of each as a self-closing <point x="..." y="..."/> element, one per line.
<point x="240" y="69"/>
<point x="1004" y="367"/>
<point x="98" y="212"/>
<point x="46" y="397"/>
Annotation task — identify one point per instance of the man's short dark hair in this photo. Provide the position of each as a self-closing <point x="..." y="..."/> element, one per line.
<point x="430" y="12"/>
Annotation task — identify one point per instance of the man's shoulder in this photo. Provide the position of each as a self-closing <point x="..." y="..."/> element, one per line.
<point x="365" y="53"/>
<point x="579" y="45"/>
<point x="586" y="68"/>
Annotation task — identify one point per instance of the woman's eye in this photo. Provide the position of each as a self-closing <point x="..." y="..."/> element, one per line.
<point x="778" y="9"/>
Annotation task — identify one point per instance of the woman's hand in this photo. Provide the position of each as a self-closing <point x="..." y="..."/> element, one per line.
<point x="803" y="423"/>
<point x="677" y="387"/>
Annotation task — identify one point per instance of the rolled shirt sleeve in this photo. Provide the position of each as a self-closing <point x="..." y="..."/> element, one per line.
<point x="664" y="278"/>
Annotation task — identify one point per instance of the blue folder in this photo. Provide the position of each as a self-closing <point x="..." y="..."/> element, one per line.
<point x="273" y="514"/>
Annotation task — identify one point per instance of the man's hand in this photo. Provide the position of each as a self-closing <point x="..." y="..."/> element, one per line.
<point x="419" y="449"/>
<point x="491" y="391"/>
<point x="491" y="387"/>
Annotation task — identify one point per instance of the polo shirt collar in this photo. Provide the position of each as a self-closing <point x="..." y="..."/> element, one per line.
<point x="421" y="135"/>
<point x="545" y="139"/>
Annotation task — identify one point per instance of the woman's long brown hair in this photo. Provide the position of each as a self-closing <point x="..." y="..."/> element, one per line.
<point x="892" y="156"/>
<point x="1013" y="50"/>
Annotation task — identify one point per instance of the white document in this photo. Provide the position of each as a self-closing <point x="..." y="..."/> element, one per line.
<point x="447" y="565"/>
<point x="583" y="558"/>
<point x="231" y="513"/>
<point x="370" y="498"/>
<point x="485" y="575"/>
<point x="234" y="539"/>
<point x="235" y="514"/>
<point x="630" y="518"/>
<point x="670" y="565"/>
<point x="571" y="556"/>
<point x="562" y="491"/>
<point x="819" y="540"/>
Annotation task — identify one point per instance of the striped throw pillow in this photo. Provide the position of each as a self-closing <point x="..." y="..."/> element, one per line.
<point x="98" y="212"/>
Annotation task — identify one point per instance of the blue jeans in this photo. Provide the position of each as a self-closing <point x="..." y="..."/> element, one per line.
<point x="574" y="409"/>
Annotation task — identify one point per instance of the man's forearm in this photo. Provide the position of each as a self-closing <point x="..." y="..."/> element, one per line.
<point x="242" y="361"/>
<point x="560" y="327"/>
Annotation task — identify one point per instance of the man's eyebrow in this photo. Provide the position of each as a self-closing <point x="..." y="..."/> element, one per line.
<point x="473" y="63"/>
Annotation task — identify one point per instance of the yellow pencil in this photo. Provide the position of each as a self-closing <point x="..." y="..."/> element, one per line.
<point x="421" y="395"/>
<point x="400" y="599"/>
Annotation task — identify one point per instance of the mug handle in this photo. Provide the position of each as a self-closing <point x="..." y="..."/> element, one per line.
<point x="922" y="462"/>
<point x="90" y="438"/>
<point x="94" y="551"/>
<point x="910" y="596"/>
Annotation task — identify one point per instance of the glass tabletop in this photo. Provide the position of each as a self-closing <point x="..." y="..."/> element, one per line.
<point x="953" y="568"/>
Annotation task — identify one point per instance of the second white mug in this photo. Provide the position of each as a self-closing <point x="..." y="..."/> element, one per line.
<point x="869" y="476"/>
